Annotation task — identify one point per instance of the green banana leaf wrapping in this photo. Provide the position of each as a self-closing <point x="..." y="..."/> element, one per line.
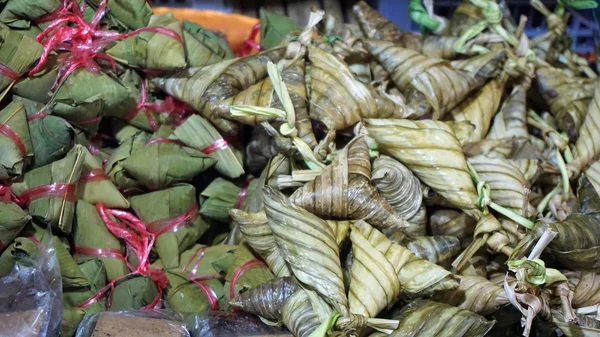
<point x="38" y="87"/>
<point x="203" y="47"/>
<point x="274" y="28"/>
<point x="262" y="94"/>
<point x="18" y="13"/>
<point x="196" y="132"/>
<point x="417" y="276"/>
<point x="20" y="248"/>
<point x="245" y="272"/>
<point x="464" y="17"/>
<point x="586" y="147"/>
<point x="398" y="185"/>
<point x="205" y="88"/>
<point x="343" y="191"/>
<point x="91" y="233"/>
<point x="221" y="196"/>
<point x="71" y="317"/>
<point x="51" y="136"/>
<point x="54" y="208"/>
<point x="268" y="299"/>
<point x="72" y="276"/>
<point x="308" y="245"/>
<point x="437" y="249"/>
<point x="476" y="294"/>
<point x="506" y="181"/>
<point x="12" y="221"/>
<point x="337" y="99"/>
<point x="132" y="14"/>
<point x="95" y="187"/>
<point x="94" y="272"/>
<point x="373" y="280"/>
<point x="134" y="293"/>
<point x="430" y="85"/>
<point x="480" y="107"/>
<point x="158" y="210"/>
<point x="511" y="121"/>
<point x="17" y="51"/>
<point x="432" y="152"/>
<point x="84" y="97"/>
<point x="375" y="26"/>
<point x="15" y="141"/>
<point x="422" y="318"/>
<point x="257" y="233"/>
<point x="152" y="50"/>
<point x="564" y="95"/>
<point x="585" y="286"/>
<point x="114" y="165"/>
<point x="186" y="296"/>
<point x="160" y="164"/>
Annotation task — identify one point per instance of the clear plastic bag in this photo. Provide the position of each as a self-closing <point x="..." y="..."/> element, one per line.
<point x="31" y="295"/>
<point x="137" y="323"/>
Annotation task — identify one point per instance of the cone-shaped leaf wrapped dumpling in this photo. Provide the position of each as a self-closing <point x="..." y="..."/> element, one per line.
<point x="268" y="299"/>
<point x="257" y="233"/>
<point x="476" y="294"/>
<point x="438" y="249"/>
<point x="12" y="221"/>
<point x="511" y="120"/>
<point x="15" y="142"/>
<point x="245" y="272"/>
<point x="424" y="318"/>
<point x="132" y="14"/>
<point x="153" y="50"/>
<point x="343" y="191"/>
<point x="172" y="215"/>
<point x="50" y="191"/>
<point x="161" y="163"/>
<point x="587" y="146"/>
<point x="204" y="88"/>
<point x="417" y="276"/>
<point x="17" y="51"/>
<point x="92" y="239"/>
<point x="430" y="85"/>
<point x="308" y="245"/>
<point x="203" y="47"/>
<point x="94" y="186"/>
<point x="114" y="165"/>
<point x="337" y="98"/>
<point x="429" y="149"/>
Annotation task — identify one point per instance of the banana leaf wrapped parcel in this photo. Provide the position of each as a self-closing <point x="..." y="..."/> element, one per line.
<point x="18" y="52"/>
<point x="15" y="140"/>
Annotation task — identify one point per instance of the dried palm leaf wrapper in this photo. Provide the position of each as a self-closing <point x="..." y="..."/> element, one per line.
<point x="95" y="187"/>
<point x="587" y="196"/>
<point x="262" y="94"/>
<point x="303" y="313"/>
<point x="203" y="47"/>
<point x="452" y="223"/>
<point x="373" y="280"/>
<point x="15" y="141"/>
<point x="17" y="53"/>
<point x="268" y="299"/>
<point x="398" y="185"/>
<point x="586" y="288"/>
<point x="93" y="240"/>
<point x="172" y="215"/>
<point x="417" y="276"/>
<point x="257" y="233"/>
<point x="160" y="163"/>
<point x="153" y="50"/>
<point x="432" y="152"/>
<point x="593" y="174"/>
<point x="375" y="26"/>
<point x="480" y="107"/>
<point x="430" y="85"/>
<point x="464" y="17"/>
<point x="438" y="249"/>
<point x="49" y="192"/>
<point x="507" y="183"/>
<point x="343" y="191"/>
<point x="428" y="318"/>
<point x="308" y="245"/>
<point x="564" y="95"/>
<point x="197" y="133"/>
<point x="511" y="121"/>
<point x="245" y="272"/>
<point x="475" y="294"/>
<point x="130" y="14"/>
<point x="205" y="88"/>
<point x="337" y="98"/>
<point x="587" y="146"/>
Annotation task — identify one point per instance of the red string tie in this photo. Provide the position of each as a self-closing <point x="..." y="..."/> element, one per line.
<point x="254" y="263"/>
<point x="164" y="140"/>
<point x="142" y="105"/>
<point x="250" y="42"/>
<point x="56" y="190"/>
<point x="173" y="224"/>
<point x="38" y="115"/>
<point x="14" y="137"/>
<point x="219" y="144"/>
<point x="242" y="194"/>
<point x="7" y="72"/>
<point x="197" y="279"/>
<point x="96" y="174"/>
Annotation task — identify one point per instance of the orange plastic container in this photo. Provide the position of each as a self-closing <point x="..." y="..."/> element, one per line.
<point x="235" y="27"/>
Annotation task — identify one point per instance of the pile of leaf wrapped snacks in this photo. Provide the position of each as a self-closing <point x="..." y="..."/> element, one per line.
<point x="342" y="180"/>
